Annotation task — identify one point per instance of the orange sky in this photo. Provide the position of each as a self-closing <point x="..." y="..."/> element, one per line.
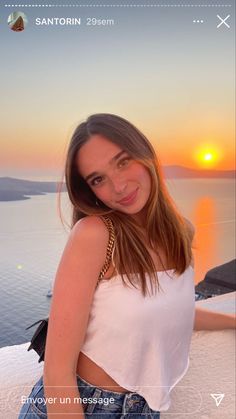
<point x="48" y="152"/>
<point x="174" y="81"/>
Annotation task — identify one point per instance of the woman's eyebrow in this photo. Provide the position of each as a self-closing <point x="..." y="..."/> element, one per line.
<point x="116" y="157"/>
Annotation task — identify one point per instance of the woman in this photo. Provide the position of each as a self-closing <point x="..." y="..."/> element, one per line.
<point x="123" y="306"/>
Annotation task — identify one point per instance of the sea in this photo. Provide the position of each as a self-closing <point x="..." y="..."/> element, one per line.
<point x="33" y="238"/>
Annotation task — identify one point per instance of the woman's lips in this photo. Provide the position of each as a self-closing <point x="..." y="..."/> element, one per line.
<point x="129" y="199"/>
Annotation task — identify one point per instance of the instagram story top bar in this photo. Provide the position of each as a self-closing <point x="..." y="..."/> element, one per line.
<point x="94" y="5"/>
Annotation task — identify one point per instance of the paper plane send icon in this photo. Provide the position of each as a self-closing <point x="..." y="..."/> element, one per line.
<point x="218" y="398"/>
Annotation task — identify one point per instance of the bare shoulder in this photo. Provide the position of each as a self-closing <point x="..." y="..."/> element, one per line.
<point x="86" y="248"/>
<point x="91" y="228"/>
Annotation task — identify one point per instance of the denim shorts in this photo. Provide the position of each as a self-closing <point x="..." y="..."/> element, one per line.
<point x="97" y="403"/>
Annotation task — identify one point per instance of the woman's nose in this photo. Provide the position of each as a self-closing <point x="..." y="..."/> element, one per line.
<point x="119" y="184"/>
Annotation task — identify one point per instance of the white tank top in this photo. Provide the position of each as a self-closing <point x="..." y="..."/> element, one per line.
<point x="143" y="342"/>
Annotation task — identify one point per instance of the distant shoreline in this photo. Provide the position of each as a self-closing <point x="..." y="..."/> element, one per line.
<point x="11" y="196"/>
<point x="13" y="189"/>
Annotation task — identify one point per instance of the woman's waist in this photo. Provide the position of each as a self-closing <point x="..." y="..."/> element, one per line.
<point x="94" y="375"/>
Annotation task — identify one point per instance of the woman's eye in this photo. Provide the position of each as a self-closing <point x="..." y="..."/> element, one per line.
<point x="124" y="162"/>
<point x="96" y="181"/>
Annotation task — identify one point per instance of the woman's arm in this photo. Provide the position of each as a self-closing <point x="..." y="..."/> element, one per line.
<point x="206" y="319"/>
<point x="74" y="287"/>
<point x="212" y="320"/>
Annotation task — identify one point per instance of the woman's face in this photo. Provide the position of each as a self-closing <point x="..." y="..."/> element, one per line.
<point x="115" y="178"/>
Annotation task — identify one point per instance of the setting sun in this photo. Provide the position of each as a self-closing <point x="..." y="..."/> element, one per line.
<point x="207" y="157"/>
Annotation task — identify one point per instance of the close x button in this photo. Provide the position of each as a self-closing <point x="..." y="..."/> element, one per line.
<point x="223" y="21"/>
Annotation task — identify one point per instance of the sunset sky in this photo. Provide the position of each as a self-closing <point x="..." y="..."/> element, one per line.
<point x="172" y="78"/>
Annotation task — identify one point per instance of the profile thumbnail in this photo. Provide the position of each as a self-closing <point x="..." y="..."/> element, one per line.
<point x="17" y="21"/>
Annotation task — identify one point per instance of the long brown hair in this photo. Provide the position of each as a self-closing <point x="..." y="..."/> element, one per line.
<point x="165" y="227"/>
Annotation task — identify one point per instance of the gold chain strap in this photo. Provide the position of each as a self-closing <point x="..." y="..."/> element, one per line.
<point x="110" y="246"/>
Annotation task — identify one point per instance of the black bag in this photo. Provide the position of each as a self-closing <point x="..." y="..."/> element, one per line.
<point x="38" y="340"/>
